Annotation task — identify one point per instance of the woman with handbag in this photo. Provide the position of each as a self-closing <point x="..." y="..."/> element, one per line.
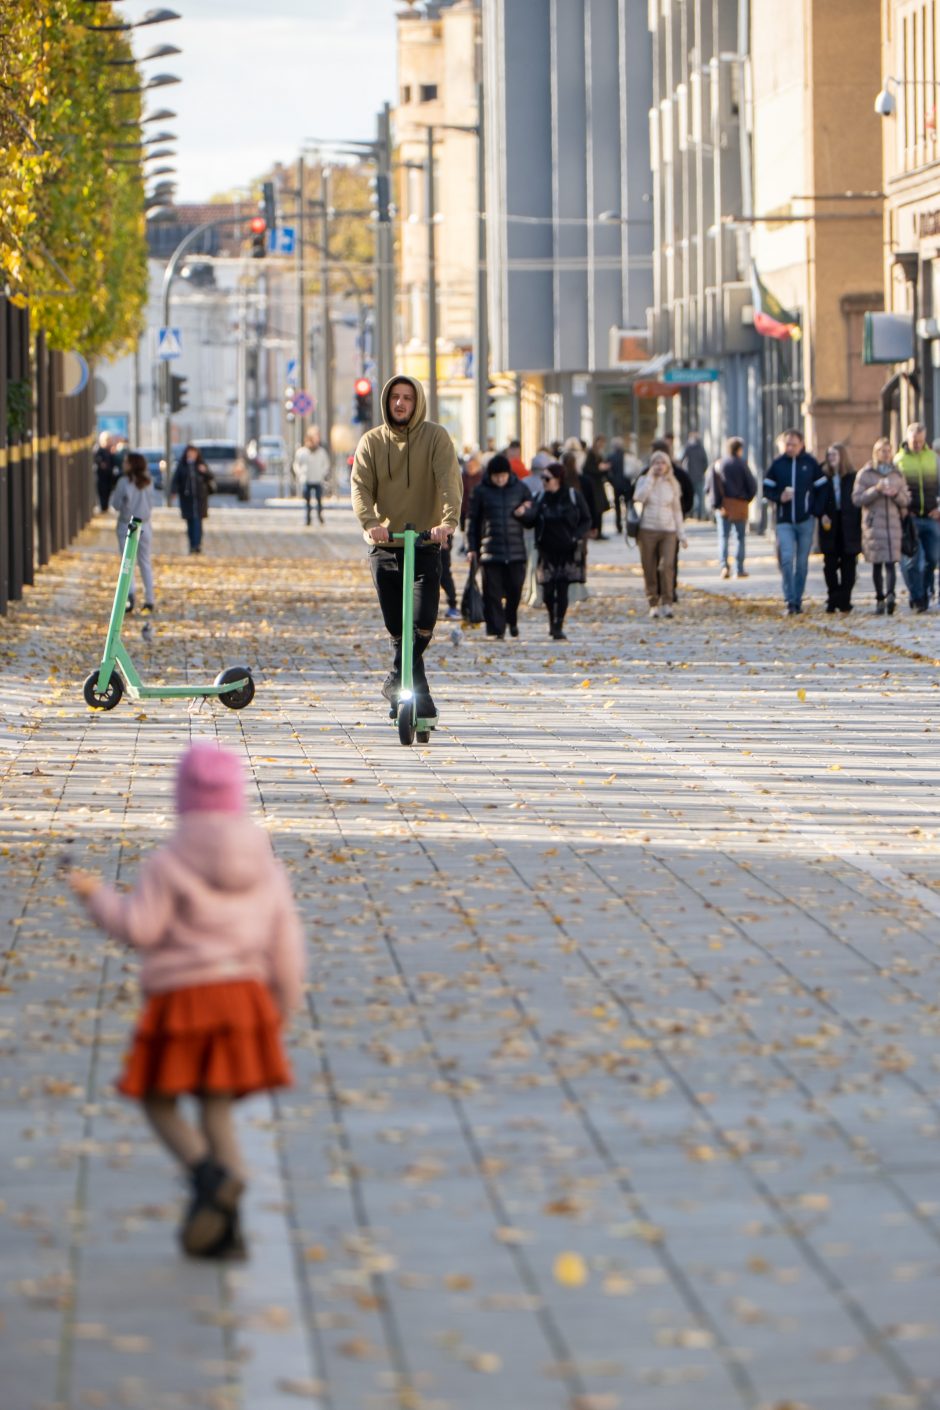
<point x="730" y="485"/>
<point x="562" y="522"/>
<point x="660" y="501"/>
<point x="840" y="528"/>
<point x="883" y="495"/>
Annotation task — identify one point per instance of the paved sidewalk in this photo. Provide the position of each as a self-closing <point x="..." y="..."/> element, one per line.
<point x="618" y="1083"/>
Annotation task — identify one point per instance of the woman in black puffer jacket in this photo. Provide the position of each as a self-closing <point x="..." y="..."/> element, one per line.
<point x="495" y="540"/>
<point x="562" y="521"/>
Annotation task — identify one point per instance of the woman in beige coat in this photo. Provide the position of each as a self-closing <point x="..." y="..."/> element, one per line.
<point x="658" y="495"/>
<point x="882" y="492"/>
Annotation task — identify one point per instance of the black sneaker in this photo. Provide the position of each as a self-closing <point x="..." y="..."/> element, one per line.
<point x="147" y="607"/>
<point x="513" y="630"/>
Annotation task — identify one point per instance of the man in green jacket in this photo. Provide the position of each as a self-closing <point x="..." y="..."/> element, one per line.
<point x="406" y="472"/>
<point x="918" y="464"/>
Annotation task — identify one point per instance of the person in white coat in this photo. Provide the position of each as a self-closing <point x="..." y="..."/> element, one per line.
<point x="132" y="498"/>
<point x="311" y="468"/>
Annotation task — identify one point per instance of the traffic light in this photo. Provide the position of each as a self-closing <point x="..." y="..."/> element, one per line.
<point x="270" y="206"/>
<point x="177" y="392"/>
<point x="493" y="394"/>
<point x="289" y="392"/>
<point x="362" y="407"/>
<point x="259" y="237"/>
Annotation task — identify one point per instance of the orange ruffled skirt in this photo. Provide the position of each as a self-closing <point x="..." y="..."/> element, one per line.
<point x="208" y="1038"/>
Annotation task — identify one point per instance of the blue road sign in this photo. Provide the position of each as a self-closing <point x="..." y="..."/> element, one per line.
<point x="169" y="344"/>
<point x="291" y="375"/>
<point x="281" y="241"/>
<point x="689" y="376"/>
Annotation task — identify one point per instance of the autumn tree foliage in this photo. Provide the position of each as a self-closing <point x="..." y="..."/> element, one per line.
<point x="72" y="237"/>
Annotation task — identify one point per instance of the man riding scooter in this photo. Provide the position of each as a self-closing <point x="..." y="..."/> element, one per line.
<point x="406" y="472"/>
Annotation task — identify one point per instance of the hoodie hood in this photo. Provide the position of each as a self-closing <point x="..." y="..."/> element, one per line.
<point x="418" y="416"/>
<point x="224" y="851"/>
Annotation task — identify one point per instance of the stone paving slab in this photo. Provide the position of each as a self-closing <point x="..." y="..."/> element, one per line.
<point x="634" y="967"/>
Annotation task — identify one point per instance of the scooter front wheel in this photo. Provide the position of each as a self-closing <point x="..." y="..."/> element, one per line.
<point x="236" y="699"/>
<point x="406" y="721"/>
<point x="107" y="698"/>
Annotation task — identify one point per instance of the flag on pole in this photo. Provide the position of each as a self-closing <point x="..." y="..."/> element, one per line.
<point x="771" y="319"/>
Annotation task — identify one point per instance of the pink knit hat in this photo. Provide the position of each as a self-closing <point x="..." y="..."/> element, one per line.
<point x="209" y="780"/>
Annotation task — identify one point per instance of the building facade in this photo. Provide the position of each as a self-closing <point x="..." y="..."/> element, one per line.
<point x="910" y="79"/>
<point x="701" y="318"/>
<point x="569" y="219"/>
<point x="438" y="72"/>
<point x="817" y="212"/>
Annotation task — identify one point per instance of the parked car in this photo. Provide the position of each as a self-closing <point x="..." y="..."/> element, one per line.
<point x="228" y="467"/>
<point x="156" y="464"/>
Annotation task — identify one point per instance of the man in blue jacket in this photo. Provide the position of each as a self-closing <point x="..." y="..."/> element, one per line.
<point x="792" y="483"/>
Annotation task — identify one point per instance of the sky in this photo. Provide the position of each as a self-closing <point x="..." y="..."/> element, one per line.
<point x="261" y="77"/>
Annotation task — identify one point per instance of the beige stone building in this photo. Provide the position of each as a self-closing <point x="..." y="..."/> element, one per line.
<point x="817" y="212"/>
<point x="437" y="85"/>
<point x="908" y="96"/>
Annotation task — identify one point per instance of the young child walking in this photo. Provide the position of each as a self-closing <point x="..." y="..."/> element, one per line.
<point x="221" y="947"/>
<point x="133" y="499"/>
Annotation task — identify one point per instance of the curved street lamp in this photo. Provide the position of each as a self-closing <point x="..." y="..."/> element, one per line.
<point x="160" y="80"/>
<point x="159" y="51"/>
<point x="149" y="17"/>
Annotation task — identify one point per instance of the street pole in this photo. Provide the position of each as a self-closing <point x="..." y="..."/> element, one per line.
<point x="300" y="423"/>
<point x="326" y="349"/>
<point x="384" y="321"/>
<point x="481" y="358"/>
<point x="432" y="284"/>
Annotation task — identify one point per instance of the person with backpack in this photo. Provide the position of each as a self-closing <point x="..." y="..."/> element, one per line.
<point x="562" y="521"/>
<point x="133" y="499"/>
<point x="730" y="485"/>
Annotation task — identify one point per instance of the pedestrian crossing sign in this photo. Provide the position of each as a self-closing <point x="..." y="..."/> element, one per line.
<point x="169" y="344"/>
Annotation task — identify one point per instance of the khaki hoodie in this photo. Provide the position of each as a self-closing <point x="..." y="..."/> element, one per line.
<point x="406" y="474"/>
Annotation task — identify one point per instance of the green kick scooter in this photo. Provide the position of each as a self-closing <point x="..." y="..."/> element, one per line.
<point x="104" y="687"/>
<point x="411" y="726"/>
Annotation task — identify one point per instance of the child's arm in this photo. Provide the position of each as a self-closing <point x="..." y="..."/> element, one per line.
<point x="138" y="917"/>
<point x="287" y="953"/>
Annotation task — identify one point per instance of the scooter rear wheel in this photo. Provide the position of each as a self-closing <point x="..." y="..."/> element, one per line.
<point x="423" y="736"/>
<point x="406" y="721"/>
<point x="106" y="699"/>
<point x="236" y="699"/>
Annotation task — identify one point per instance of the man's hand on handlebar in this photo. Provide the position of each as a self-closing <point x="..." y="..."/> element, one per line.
<point x="379" y="534"/>
<point x="442" y="535"/>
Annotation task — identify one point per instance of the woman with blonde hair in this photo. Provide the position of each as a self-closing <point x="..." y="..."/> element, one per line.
<point x="882" y="492"/>
<point x="659" y="499"/>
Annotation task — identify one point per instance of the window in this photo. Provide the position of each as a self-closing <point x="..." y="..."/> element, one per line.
<point x="428" y="92"/>
<point x="406" y="93"/>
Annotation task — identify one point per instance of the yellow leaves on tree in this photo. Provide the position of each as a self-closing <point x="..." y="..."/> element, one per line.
<point x="72" y="238"/>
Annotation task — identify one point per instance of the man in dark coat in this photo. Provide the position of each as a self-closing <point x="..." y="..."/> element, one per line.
<point x="107" y="469"/>
<point x="495" y="538"/>
<point x="792" y="483"/>
<point x="840" y="529"/>
<point x="695" y="464"/>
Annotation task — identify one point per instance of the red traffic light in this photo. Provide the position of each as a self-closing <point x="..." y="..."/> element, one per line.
<point x="363" y="387"/>
<point x="258" y="225"/>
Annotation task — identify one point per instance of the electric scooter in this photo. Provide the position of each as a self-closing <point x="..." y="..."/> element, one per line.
<point x="104" y="688"/>
<point x="411" y="726"/>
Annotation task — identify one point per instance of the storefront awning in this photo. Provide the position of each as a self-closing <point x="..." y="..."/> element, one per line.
<point x="655" y="368"/>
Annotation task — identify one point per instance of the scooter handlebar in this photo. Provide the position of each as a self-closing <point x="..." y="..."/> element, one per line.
<point x="424" y="536"/>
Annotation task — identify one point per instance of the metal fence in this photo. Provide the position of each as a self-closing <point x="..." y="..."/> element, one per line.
<point x="46" y="439"/>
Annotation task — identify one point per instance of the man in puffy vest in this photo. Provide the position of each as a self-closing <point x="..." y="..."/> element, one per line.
<point x="406" y="472"/>
<point x="791" y="484"/>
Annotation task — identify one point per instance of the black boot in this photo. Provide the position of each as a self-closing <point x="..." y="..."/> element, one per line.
<point x="213" y="1209"/>
<point x="392" y="687"/>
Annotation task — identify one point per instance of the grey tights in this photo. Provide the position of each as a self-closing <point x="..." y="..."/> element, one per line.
<point x="215" y="1135"/>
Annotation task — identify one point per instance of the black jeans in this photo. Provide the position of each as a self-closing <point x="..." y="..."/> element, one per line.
<point x="313" y="492"/>
<point x="447" y="579"/>
<point x="884" y="576"/>
<point x="386" y="564"/>
<point x="502" y="589"/>
<point x="555" y="595"/>
<point x="839" y="572"/>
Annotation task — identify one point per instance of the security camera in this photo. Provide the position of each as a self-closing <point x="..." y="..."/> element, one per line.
<point x="886" y="104"/>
